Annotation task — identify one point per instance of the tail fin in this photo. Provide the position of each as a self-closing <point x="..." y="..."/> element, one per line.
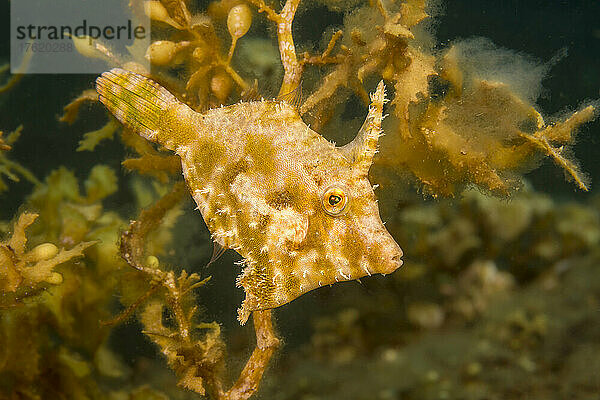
<point x="145" y="107"/>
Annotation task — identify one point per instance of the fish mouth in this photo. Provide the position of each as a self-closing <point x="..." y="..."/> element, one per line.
<point x="394" y="260"/>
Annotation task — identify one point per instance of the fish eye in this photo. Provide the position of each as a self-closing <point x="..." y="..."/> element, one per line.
<point x="334" y="200"/>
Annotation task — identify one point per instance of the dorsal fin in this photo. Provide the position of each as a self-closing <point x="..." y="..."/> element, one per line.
<point x="293" y="98"/>
<point x="251" y="93"/>
<point x="218" y="251"/>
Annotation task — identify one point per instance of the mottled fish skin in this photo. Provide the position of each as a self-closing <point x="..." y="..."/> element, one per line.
<point x="262" y="180"/>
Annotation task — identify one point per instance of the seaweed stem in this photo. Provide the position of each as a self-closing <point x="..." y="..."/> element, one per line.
<point x="291" y="66"/>
<point x="266" y="344"/>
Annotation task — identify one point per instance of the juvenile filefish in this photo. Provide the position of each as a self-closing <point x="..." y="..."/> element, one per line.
<point x="299" y="210"/>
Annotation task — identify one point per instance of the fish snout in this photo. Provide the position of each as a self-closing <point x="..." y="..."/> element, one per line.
<point x="390" y="254"/>
<point x="394" y="259"/>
